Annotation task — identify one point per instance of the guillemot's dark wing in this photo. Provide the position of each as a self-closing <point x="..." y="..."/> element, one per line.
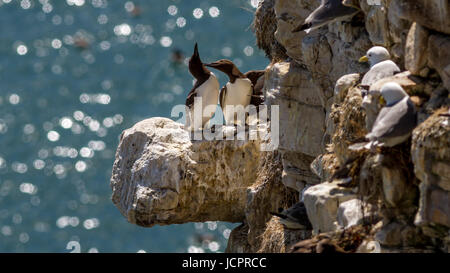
<point x="223" y="94"/>
<point x="192" y="94"/>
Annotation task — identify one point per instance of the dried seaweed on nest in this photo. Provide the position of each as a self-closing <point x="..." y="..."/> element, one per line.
<point x="400" y="155"/>
<point x="350" y="169"/>
<point x="276" y="238"/>
<point x="264" y="27"/>
<point x="344" y="241"/>
<point x="270" y="172"/>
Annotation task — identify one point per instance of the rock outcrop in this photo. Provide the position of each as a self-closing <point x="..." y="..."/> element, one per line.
<point x="392" y="200"/>
<point x="162" y="177"/>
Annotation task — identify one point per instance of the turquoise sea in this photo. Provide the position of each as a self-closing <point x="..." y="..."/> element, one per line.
<point x="73" y="75"/>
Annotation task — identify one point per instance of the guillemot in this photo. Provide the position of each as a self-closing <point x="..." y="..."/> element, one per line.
<point x="237" y="92"/>
<point x="257" y="79"/>
<point x="206" y="87"/>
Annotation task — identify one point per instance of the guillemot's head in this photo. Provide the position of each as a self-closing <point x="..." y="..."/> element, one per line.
<point x="196" y="66"/>
<point x="375" y="55"/>
<point x="195" y="58"/>
<point x="254" y="75"/>
<point x="227" y="67"/>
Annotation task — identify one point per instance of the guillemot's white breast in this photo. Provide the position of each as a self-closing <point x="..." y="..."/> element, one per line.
<point x="236" y="94"/>
<point x="209" y="93"/>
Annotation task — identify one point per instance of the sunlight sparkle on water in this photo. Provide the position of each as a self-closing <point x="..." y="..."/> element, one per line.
<point x="86" y="152"/>
<point x="66" y="122"/>
<point x="254" y="3"/>
<point x="2" y="163"/>
<point x="166" y="41"/>
<point x="194" y="249"/>
<point x="56" y="43"/>
<point x="78" y="3"/>
<point x="122" y="29"/>
<point x="91" y="223"/>
<point x="53" y="136"/>
<point x="7" y="231"/>
<point x="248" y="51"/>
<point x="14" y="99"/>
<point x="198" y="13"/>
<point x="39" y="164"/>
<point x="181" y="22"/>
<point x="25" y="4"/>
<point x="22" y="49"/>
<point x="214" y="246"/>
<point x="65" y="221"/>
<point x="28" y="129"/>
<point x="47" y="8"/>
<point x="214" y="12"/>
<point x="226" y="233"/>
<point x="129" y="6"/>
<point x="172" y="10"/>
<point x="19" y="167"/>
<point x="28" y="188"/>
<point x="102" y="19"/>
<point x="80" y="166"/>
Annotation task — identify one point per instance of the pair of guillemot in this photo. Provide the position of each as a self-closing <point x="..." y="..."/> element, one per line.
<point x="241" y="90"/>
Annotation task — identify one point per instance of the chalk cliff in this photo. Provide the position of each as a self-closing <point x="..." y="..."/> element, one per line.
<point x="401" y="195"/>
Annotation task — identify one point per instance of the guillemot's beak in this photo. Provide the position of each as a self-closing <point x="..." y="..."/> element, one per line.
<point x="215" y="65"/>
<point x="363" y="59"/>
<point x="196" y="50"/>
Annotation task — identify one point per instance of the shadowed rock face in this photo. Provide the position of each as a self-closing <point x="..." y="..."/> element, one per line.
<point x="431" y="156"/>
<point x="161" y="177"/>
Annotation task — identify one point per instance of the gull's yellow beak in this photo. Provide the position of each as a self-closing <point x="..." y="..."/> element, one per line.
<point x="382" y="101"/>
<point x="363" y="59"/>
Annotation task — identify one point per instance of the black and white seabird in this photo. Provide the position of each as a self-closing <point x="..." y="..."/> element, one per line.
<point x="206" y="87"/>
<point x="237" y="92"/>
<point x="257" y="79"/>
<point x="329" y="11"/>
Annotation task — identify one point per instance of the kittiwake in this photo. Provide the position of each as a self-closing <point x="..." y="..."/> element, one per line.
<point x="395" y="122"/>
<point x="380" y="66"/>
<point x="329" y="11"/>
